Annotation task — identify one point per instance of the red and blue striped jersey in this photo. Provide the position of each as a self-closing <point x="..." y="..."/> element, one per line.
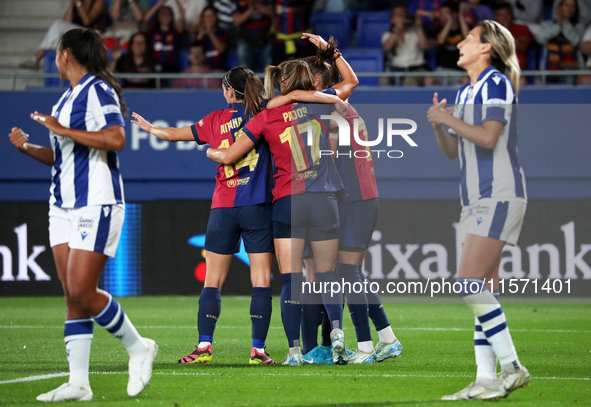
<point x="355" y="163"/>
<point x="289" y="130"/>
<point x="248" y="181"/>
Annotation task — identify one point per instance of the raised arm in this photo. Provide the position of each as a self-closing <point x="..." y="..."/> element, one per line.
<point x="230" y="155"/>
<point x="163" y="133"/>
<point x="109" y="139"/>
<point x="350" y="81"/>
<point x="20" y="140"/>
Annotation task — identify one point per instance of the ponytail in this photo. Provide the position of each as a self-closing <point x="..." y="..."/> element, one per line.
<point x="272" y="80"/>
<point x="88" y="49"/>
<point x="502" y="54"/>
<point x="247" y="87"/>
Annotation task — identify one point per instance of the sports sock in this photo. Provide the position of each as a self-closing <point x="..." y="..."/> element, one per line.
<point x="486" y="360"/>
<point x="332" y="299"/>
<point x="492" y="320"/>
<point x="326" y="330"/>
<point x="291" y="308"/>
<point x="210" y="308"/>
<point x="386" y="335"/>
<point x="375" y="308"/>
<point x="311" y="318"/>
<point x="356" y="299"/>
<point x="260" y="314"/>
<point x="114" y="320"/>
<point x="78" y="335"/>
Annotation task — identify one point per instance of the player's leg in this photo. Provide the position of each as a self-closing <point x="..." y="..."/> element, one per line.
<point x="291" y="288"/>
<point x="78" y="333"/>
<point x="210" y="306"/>
<point x="260" y="305"/>
<point x="255" y="223"/>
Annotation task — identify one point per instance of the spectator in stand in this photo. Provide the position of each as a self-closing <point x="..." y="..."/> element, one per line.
<point x="452" y="32"/>
<point x="584" y="7"/>
<point x="404" y="45"/>
<point x="253" y="19"/>
<point x="292" y="18"/>
<point x="528" y="11"/>
<point x="138" y="59"/>
<point x="216" y="40"/>
<point x="473" y="12"/>
<point x="166" y="37"/>
<point x="80" y="14"/>
<point x="586" y="51"/>
<point x="523" y="38"/>
<point x="192" y="9"/>
<point x="225" y="11"/>
<point x="561" y="39"/>
<point x="427" y="11"/>
<point x="197" y="64"/>
<point x="127" y="18"/>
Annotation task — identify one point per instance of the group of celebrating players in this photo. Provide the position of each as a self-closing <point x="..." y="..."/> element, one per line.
<point x="277" y="192"/>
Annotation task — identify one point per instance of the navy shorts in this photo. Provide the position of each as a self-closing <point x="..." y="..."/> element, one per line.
<point x="312" y="215"/>
<point x="358" y="222"/>
<point x="226" y="225"/>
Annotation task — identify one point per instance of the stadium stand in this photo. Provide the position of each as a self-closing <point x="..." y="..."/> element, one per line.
<point x="365" y="60"/>
<point x="370" y="27"/>
<point x="339" y="25"/>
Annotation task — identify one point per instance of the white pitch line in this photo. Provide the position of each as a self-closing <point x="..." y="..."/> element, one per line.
<point x="397" y="328"/>
<point x="277" y="374"/>
<point x="34" y="378"/>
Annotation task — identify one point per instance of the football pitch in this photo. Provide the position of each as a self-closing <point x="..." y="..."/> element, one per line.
<point x="553" y="342"/>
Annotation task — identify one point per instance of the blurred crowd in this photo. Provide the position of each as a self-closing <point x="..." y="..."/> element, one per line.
<point x="209" y="36"/>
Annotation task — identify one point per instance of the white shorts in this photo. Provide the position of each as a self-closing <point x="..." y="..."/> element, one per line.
<point x="95" y="228"/>
<point x="488" y="217"/>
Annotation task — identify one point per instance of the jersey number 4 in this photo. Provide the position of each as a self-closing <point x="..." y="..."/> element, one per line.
<point x="250" y="160"/>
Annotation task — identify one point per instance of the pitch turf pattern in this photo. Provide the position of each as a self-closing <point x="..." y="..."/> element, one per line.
<point x="554" y="342"/>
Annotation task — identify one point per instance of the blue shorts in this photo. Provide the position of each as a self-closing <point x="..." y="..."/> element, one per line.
<point x="313" y="216"/>
<point x="358" y="222"/>
<point x="226" y="225"/>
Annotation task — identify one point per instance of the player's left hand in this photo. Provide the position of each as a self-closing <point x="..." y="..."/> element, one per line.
<point x="140" y="121"/>
<point x="48" y="121"/>
<point x="316" y="40"/>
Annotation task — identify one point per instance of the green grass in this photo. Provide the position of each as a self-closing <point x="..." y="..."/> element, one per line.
<point x="553" y="341"/>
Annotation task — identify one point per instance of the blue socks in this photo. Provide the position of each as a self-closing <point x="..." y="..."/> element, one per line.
<point x="357" y="301"/>
<point x="333" y="300"/>
<point x="375" y="308"/>
<point x="291" y="307"/>
<point x="312" y="315"/>
<point x="260" y="315"/>
<point x="210" y="307"/>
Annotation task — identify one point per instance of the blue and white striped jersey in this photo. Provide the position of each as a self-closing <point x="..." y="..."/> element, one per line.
<point x="489" y="173"/>
<point x="82" y="175"/>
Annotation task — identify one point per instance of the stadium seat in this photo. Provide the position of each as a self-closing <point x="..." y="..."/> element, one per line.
<point x="336" y="24"/>
<point x="370" y="27"/>
<point x="50" y="67"/>
<point x="365" y="60"/>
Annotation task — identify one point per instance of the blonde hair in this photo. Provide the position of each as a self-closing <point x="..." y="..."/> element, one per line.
<point x="502" y="54"/>
<point x="295" y="74"/>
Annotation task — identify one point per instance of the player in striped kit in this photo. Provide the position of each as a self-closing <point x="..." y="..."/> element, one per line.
<point x="87" y="207"/>
<point x="240" y="207"/>
<point x="483" y="134"/>
<point x="309" y="182"/>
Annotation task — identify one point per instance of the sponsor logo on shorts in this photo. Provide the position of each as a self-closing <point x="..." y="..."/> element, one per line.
<point x="106" y="211"/>
<point x="85" y="223"/>
<point x="84" y="233"/>
<point x="479" y="220"/>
